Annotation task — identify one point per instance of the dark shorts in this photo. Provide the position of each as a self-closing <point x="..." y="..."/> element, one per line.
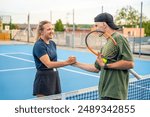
<point x="46" y="83"/>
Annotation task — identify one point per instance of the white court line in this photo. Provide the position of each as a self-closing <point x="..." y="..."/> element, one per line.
<point x="34" y="67"/>
<point x="18" y="58"/>
<point x="16" y="69"/>
<point x="79" y="72"/>
<point x="11" y="53"/>
<point x="32" y="55"/>
<point x="26" y="53"/>
<point x="26" y="68"/>
<point x="3" y="54"/>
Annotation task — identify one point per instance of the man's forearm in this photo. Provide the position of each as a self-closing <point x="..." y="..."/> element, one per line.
<point x="122" y="64"/>
<point x="87" y="67"/>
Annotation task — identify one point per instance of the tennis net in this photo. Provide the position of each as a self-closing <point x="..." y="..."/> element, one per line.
<point x="138" y="90"/>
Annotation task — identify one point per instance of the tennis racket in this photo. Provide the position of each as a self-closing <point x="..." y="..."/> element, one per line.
<point x="102" y="43"/>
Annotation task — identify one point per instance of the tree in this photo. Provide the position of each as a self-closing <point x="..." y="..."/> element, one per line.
<point x="146" y="26"/>
<point x="128" y="17"/>
<point x="59" y="26"/>
<point x="12" y="26"/>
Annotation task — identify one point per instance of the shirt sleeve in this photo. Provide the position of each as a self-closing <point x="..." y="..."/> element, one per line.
<point x="125" y="51"/>
<point x="40" y="50"/>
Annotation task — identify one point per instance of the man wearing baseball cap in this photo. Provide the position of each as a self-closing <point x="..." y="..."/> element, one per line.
<point x="108" y="18"/>
<point x="114" y="76"/>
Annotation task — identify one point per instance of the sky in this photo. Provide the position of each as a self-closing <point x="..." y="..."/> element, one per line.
<point x="84" y="10"/>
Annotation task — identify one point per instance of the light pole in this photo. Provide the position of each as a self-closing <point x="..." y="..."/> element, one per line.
<point x="73" y="26"/>
<point x="29" y="28"/>
<point x="73" y="30"/>
<point x="140" y="30"/>
<point x="50" y="16"/>
<point x="102" y="9"/>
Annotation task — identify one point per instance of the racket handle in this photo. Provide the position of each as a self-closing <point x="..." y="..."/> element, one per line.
<point x="110" y="37"/>
<point x="135" y="74"/>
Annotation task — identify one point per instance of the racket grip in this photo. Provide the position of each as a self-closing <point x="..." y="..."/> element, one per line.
<point x="135" y="74"/>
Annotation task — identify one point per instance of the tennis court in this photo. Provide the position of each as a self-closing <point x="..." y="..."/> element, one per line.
<point x="17" y="72"/>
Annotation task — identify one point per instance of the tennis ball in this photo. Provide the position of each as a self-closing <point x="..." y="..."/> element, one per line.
<point x="104" y="60"/>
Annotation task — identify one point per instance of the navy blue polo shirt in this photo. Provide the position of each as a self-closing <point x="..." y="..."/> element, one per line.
<point x="41" y="48"/>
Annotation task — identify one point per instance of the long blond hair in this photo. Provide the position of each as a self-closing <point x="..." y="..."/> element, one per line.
<point x="40" y="28"/>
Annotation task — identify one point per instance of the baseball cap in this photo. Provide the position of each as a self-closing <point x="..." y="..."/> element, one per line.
<point x="108" y="18"/>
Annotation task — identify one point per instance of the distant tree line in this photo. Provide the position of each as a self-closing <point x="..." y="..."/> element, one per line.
<point x="129" y="17"/>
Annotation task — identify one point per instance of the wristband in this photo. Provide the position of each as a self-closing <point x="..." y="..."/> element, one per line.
<point x="105" y="66"/>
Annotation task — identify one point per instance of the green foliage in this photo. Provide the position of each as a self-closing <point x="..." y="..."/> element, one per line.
<point x="84" y="26"/>
<point x="59" y="26"/>
<point x="128" y="17"/>
<point x="12" y="26"/>
<point x="146" y="26"/>
<point x="70" y="26"/>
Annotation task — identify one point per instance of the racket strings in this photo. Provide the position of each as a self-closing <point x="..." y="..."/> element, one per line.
<point x="96" y="41"/>
<point x="110" y="50"/>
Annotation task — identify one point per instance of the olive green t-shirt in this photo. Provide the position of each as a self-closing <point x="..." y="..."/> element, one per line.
<point x="114" y="83"/>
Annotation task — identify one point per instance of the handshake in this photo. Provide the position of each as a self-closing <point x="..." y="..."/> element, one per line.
<point x="71" y="60"/>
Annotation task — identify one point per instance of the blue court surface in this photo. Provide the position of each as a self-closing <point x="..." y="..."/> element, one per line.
<point x="17" y="71"/>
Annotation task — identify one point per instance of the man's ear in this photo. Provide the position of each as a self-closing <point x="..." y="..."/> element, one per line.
<point x="105" y="25"/>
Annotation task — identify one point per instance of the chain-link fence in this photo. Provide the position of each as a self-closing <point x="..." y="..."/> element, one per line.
<point x="140" y="45"/>
<point x="69" y="40"/>
<point x="27" y="33"/>
<point x="77" y="40"/>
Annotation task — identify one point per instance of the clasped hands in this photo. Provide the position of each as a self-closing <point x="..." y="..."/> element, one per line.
<point x="71" y="60"/>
